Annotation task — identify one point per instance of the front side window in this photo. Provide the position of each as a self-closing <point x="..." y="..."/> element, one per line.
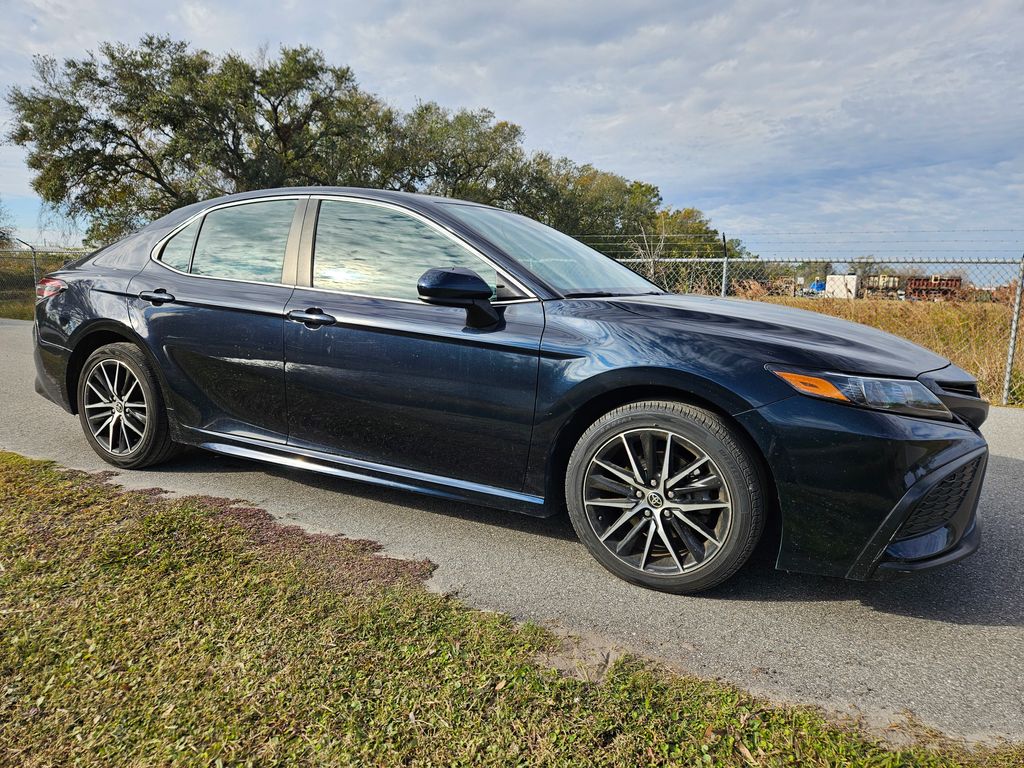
<point x="244" y="242"/>
<point x="373" y="250"/>
<point x="566" y="264"/>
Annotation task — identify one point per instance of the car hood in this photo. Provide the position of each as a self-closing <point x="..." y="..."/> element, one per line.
<point x="788" y="335"/>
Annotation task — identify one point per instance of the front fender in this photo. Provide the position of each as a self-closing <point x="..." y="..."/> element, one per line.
<point x="595" y="356"/>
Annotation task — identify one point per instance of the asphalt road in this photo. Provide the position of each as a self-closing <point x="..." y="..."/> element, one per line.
<point x="947" y="646"/>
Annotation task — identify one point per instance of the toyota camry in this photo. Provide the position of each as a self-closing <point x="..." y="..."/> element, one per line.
<point x="454" y="349"/>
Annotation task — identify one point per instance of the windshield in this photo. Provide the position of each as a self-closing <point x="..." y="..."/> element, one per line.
<point x="565" y="264"/>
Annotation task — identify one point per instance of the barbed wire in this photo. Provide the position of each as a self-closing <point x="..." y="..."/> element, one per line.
<point x="866" y="255"/>
<point x="772" y="232"/>
<point x="738" y="262"/>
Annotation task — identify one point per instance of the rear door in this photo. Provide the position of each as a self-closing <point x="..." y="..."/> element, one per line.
<point x="211" y="307"/>
<point x="392" y="380"/>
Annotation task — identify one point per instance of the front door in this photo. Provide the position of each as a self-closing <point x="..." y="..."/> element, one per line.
<point x="392" y="380"/>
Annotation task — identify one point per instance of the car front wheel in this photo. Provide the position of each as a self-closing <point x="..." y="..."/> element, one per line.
<point x="665" y="495"/>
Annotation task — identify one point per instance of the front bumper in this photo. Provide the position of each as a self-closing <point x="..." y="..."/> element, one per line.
<point x="868" y="495"/>
<point x="934" y="524"/>
<point x="967" y="546"/>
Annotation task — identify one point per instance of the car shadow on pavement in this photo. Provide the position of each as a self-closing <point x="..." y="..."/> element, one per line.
<point x="557" y="527"/>
<point x="985" y="589"/>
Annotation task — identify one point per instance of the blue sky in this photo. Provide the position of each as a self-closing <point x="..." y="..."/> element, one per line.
<point x="770" y="116"/>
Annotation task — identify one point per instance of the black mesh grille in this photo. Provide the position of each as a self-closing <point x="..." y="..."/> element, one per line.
<point x="940" y="503"/>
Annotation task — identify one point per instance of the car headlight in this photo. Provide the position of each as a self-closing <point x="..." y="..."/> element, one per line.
<point x="906" y="396"/>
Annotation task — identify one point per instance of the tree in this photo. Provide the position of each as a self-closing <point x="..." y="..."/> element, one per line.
<point x="690" y="235"/>
<point x="465" y="154"/>
<point x="128" y="134"/>
<point x="649" y="250"/>
<point x="598" y="207"/>
<point x="131" y="134"/>
<point x="6" y="229"/>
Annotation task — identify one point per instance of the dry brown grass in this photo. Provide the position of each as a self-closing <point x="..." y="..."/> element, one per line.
<point x="972" y="335"/>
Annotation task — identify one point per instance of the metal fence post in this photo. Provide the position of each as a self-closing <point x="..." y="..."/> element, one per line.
<point x="35" y="266"/>
<point x="725" y="266"/>
<point x="1014" y="328"/>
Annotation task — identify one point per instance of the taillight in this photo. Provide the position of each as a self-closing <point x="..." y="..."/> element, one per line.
<point x="49" y="286"/>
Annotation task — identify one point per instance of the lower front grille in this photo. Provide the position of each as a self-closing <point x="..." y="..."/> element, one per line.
<point x="964" y="389"/>
<point x="941" y="503"/>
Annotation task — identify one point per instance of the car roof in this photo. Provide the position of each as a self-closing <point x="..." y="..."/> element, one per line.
<point x="412" y="199"/>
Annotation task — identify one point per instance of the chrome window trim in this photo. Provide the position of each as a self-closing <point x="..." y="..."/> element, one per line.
<point x="307" y="233"/>
<point x="310" y="247"/>
<point x="154" y="254"/>
<point x="178" y="230"/>
<point x="418" y="302"/>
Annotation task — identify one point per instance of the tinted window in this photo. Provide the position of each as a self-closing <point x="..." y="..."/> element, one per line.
<point x="377" y="251"/>
<point x="178" y="251"/>
<point x="566" y="264"/>
<point x="245" y="242"/>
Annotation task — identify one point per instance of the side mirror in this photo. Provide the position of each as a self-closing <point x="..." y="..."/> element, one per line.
<point x="459" y="287"/>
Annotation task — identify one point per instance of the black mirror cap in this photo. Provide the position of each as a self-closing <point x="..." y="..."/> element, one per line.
<point x="460" y="287"/>
<point x="453" y="286"/>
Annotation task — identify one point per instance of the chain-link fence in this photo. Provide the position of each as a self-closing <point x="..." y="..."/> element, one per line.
<point x="20" y="269"/>
<point x="966" y="310"/>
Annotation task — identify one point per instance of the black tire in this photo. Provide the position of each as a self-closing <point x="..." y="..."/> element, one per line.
<point x="685" y="544"/>
<point x="154" y="445"/>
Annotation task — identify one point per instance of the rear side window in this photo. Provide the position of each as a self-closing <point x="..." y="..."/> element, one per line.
<point x="376" y="251"/>
<point x="245" y="242"/>
<point x="177" y="252"/>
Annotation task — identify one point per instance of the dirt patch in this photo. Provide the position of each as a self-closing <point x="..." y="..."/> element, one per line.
<point x="582" y="656"/>
<point x="341" y="562"/>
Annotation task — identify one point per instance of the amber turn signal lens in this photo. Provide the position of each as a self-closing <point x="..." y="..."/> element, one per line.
<point x="812" y="385"/>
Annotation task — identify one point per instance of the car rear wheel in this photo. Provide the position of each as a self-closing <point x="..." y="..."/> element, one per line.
<point x="665" y="495"/>
<point x="121" y="409"/>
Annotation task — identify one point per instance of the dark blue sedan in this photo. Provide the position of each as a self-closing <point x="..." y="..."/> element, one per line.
<point x="463" y="351"/>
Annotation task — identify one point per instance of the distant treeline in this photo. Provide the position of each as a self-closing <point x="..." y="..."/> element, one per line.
<point x="131" y="132"/>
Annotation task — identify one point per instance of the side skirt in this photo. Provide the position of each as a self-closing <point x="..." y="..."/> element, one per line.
<point x="366" y="472"/>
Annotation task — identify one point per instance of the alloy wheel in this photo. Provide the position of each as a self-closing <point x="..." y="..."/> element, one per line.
<point x="657" y="501"/>
<point x="115" y="407"/>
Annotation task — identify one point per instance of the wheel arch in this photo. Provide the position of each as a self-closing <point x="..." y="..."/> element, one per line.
<point x="91" y="338"/>
<point x="663" y="386"/>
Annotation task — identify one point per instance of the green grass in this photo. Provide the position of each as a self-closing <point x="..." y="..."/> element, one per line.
<point x="136" y="630"/>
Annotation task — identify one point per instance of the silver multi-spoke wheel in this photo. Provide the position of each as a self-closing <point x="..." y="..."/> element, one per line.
<point x="666" y="495"/>
<point x="657" y="502"/>
<point x="120" y="406"/>
<point x="115" y="407"/>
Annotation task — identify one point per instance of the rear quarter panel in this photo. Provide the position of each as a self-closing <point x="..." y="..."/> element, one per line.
<point x="94" y="300"/>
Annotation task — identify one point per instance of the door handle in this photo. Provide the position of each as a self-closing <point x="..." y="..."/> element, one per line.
<point x="313" y="317"/>
<point x="158" y="297"/>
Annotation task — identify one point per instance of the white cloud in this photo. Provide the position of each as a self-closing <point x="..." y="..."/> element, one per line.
<point x="767" y="114"/>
